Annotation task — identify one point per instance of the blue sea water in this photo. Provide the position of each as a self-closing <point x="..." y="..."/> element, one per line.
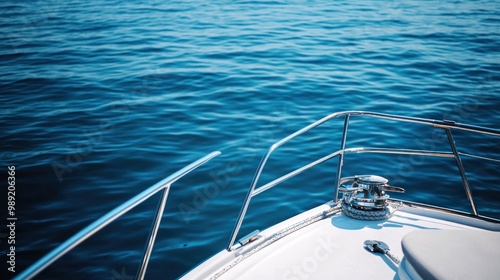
<point x="101" y="99"/>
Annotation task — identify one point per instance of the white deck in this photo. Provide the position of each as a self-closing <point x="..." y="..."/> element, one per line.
<point x="331" y="248"/>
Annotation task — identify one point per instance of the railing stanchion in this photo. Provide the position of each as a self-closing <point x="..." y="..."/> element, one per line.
<point x="341" y="159"/>
<point x="153" y="232"/>
<point x="249" y="196"/>
<point x="461" y="169"/>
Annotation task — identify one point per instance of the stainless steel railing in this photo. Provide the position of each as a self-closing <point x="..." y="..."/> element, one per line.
<point x="100" y="223"/>
<point x="444" y="124"/>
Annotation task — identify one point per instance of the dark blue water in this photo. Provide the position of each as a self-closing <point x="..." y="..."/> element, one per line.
<point x="101" y="99"/>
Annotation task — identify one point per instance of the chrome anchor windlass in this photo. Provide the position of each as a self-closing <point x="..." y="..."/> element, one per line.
<point x="365" y="198"/>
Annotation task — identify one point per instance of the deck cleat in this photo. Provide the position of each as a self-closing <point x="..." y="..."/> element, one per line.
<point x="376" y="246"/>
<point x="365" y="198"/>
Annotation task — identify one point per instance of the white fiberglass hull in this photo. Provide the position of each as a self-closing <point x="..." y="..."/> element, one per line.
<point x="331" y="248"/>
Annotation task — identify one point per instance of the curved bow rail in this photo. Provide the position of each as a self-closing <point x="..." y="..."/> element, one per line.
<point x="100" y="223"/>
<point x="446" y="125"/>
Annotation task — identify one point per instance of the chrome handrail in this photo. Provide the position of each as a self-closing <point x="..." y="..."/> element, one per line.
<point x="447" y="125"/>
<point x="100" y="223"/>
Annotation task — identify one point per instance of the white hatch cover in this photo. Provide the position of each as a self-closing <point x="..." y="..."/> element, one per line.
<point x="452" y="254"/>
